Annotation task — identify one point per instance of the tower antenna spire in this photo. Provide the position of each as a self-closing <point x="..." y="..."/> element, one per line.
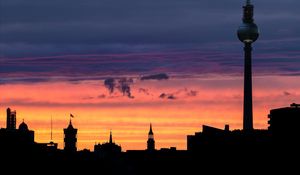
<point x="248" y="2"/>
<point x="51" y="129"/>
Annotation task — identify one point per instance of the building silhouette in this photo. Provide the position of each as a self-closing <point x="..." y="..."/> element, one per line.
<point x="48" y="147"/>
<point x="284" y="124"/>
<point x="210" y="147"/>
<point x="17" y="137"/>
<point x="26" y="136"/>
<point x="70" y="139"/>
<point x="14" y="140"/>
<point x="108" y="149"/>
<point x="208" y="136"/>
<point x="11" y="119"/>
<point x="150" y="141"/>
<point x="248" y="34"/>
<point x="215" y="138"/>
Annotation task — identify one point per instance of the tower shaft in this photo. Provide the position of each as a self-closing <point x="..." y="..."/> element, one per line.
<point x="248" y="106"/>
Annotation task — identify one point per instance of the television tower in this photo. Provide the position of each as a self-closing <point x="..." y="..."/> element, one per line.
<point x="248" y="34"/>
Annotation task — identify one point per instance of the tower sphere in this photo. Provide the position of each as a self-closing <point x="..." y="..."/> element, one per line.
<point x="248" y="32"/>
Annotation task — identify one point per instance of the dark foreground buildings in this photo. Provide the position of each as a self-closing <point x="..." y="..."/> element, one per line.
<point x="283" y="133"/>
<point x="12" y="138"/>
<point x="208" y="149"/>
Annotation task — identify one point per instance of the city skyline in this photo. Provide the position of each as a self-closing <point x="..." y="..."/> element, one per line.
<point x="134" y="68"/>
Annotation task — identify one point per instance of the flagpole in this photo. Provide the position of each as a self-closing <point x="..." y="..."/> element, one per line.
<point x="71" y="116"/>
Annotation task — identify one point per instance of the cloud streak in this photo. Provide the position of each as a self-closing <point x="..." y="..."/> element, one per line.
<point x="167" y="96"/>
<point x="51" y="41"/>
<point x="179" y="94"/>
<point x="176" y="63"/>
<point x="161" y="76"/>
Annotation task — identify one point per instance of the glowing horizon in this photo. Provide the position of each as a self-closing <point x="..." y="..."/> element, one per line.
<point x="214" y="101"/>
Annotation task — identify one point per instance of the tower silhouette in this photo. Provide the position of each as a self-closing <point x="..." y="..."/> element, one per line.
<point x="70" y="138"/>
<point x="248" y="34"/>
<point x="11" y="119"/>
<point x="150" y="142"/>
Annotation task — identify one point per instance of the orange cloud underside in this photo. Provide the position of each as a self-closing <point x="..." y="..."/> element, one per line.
<point x="218" y="102"/>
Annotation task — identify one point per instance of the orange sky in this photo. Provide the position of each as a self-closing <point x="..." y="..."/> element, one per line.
<point x="218" y="101"/>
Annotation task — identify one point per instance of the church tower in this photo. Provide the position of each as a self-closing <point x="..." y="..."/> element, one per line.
<point x="70" y="139"/>
<point x="150" y="142"/>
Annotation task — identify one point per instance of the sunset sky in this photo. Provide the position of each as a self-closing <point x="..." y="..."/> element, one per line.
<point x="122" y="64"/>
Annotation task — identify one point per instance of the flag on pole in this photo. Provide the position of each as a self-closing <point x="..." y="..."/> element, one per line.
<point x="71" y="116"/>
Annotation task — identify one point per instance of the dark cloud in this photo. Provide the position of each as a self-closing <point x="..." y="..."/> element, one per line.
<point x="144" y="91"/>
<point x="76" y="68"/>
<point x="87" y="98"/>
<point x="75" y="39"/>
<point x="185" y="92"/>
<point x="161" y="76"/>
<point x="74" y="26"/>
<point x="181" y="93"/>
<point x="121" y="84"/>
<point x="286" y="93"/>
<point x="163" y="95"/>
<point x="171" y="97"/>
<point x="124" y="86"/>
<point x="101" y="96"/>
<point x="110" y="84"/>
<point x="167" y="96"/>
<point x="192" y="93"/>
<point x="23" y="79"/>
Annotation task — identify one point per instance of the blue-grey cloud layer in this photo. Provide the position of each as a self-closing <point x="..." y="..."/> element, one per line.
<point x="34" y="32"/>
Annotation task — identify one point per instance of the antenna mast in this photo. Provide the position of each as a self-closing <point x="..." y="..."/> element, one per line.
<point x="51" y="128"/>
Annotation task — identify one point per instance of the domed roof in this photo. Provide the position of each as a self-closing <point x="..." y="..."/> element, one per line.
<point x="23" y="126"/>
